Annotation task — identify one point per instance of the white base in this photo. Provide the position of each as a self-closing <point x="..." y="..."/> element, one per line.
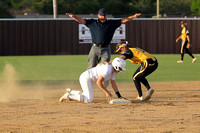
<point x="119" y="101"/>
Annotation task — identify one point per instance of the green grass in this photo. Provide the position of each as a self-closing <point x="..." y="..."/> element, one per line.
<point x="69" y="67"/>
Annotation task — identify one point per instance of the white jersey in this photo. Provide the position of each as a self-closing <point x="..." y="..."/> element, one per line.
<point x="105" y="70"/>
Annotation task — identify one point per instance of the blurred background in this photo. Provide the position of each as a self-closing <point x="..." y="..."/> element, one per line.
<point x="28" y="29"/>
<point x="116" y="8"/>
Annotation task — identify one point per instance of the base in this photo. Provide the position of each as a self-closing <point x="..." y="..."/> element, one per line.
<point x="119" y="101"/>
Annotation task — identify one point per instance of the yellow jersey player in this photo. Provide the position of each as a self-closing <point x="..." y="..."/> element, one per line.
<point x="185" y="42"/>
<point x="147" y="62"/>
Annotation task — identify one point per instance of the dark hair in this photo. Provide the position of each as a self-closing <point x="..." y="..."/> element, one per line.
<point x="184" y="23"/>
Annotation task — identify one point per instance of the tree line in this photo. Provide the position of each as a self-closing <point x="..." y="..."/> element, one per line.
<point x="117" y="8"/>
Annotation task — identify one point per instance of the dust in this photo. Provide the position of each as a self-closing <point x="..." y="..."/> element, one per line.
<point x="12" y="90"/>
<point x="9" y="86"/>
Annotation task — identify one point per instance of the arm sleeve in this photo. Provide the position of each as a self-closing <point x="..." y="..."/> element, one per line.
<point x="88" y="22"/>
<point x="187" y="32"/>
<point x="106" y="71"/>
<point x="128" y="54"/>
<point x="117" y="23"/>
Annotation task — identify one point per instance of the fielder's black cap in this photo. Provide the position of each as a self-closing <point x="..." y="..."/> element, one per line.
<point x="102" y="12"/>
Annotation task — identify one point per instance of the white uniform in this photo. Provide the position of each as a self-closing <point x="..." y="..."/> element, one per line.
<point x="86" y="79"/>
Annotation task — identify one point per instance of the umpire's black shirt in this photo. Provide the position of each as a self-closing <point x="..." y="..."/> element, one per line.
<point x="102" y="33"/>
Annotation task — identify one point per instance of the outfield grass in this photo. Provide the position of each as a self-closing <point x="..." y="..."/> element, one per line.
<point x="69" y="67"/>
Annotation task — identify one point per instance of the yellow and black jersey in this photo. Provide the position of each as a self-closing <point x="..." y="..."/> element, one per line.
<point x="184" y="33"/>
<point x="137" y="55"/>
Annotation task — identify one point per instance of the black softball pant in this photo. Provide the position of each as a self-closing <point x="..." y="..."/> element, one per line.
<point x="143" y="71"/>
<point x="185" y="49"/>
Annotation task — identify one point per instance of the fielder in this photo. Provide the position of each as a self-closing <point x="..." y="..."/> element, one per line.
<point x="148" y="64"/>
<point x="96" y="74"/>
<point x="185" y="43"/>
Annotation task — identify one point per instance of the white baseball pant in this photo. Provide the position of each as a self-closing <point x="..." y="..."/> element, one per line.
<point x="86" y="84"/>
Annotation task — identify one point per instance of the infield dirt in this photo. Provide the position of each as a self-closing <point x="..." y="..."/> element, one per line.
<point x="174" y="107"/>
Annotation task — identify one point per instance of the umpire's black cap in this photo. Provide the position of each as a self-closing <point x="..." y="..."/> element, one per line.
<point x="102" y="12"/>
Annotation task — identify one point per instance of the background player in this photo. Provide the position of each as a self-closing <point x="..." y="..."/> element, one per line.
<point x="148" y="64"/>
<point x="97" y="74"/>
<point x="185" y="41"/>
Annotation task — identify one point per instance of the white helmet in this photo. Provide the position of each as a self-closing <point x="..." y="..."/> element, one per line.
<point x="118" y="63"/>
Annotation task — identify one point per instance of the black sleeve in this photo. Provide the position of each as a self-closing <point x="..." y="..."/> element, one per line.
<point x="187" y="32"/>
<point x="128" y="54"/>
<point x="117" y="23"/>
<point x="88" y="22"/>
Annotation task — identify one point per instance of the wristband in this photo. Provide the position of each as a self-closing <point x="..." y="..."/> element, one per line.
<point x="118" y="94"/>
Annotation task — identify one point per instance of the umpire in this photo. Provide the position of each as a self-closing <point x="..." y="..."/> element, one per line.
<point x="102" y="31"/>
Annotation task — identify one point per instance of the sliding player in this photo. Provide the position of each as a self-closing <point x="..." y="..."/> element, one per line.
<point x="96" y="74"/>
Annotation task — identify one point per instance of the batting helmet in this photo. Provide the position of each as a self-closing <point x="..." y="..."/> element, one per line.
<point x="118" y="63"/>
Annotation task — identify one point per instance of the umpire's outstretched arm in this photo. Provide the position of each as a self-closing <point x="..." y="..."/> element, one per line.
<point x="78" y="19"/>
<point x="126" y="19"/>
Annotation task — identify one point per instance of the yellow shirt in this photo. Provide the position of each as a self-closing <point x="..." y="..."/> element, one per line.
<point x="140" y="56"/>
<point x="184" y="35"/>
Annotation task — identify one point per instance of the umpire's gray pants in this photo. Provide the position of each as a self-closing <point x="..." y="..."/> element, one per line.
<point x="98" y="54"/>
